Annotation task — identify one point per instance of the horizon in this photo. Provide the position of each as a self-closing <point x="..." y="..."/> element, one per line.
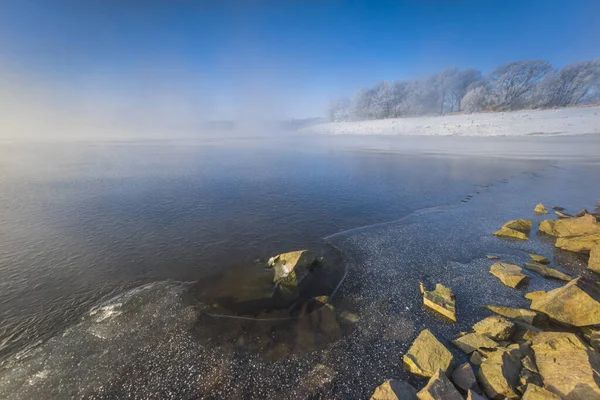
<point x="157" y="62"/>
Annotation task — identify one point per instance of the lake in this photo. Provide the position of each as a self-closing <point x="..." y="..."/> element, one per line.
<point x="111" y="252"/>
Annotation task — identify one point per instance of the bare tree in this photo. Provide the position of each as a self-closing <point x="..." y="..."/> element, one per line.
<point x="572" y="85"/>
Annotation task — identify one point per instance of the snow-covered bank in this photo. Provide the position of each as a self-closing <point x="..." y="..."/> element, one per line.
<point x="567" y="121"/>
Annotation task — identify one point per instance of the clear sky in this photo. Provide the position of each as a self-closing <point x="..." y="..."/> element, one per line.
<point x="221" y="58"/>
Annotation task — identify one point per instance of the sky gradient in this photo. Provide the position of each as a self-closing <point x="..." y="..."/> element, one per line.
<point x="225" y="59"/>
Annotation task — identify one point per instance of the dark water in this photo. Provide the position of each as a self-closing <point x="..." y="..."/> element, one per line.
<point x="83" y="222"/>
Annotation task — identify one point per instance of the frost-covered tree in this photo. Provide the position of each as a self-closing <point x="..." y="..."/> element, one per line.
<point x="339" y="110"/>
<point x="575" y="84"/>
<point x="476" y="99"/>
<point x="510" y="83"/>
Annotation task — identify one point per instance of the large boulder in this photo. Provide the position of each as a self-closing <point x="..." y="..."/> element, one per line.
<point x="290" y="268"/>
<point x="547" y="272"/>
<point x="494" y="327"/>
<point x="568" y="367"/>
<point x="394" y="390"/>
<point x="535" y="392"/>
<point x="594" y="261"/>
<point x="441" y="300"/>
<point x="511" y="275"/>
<point x="584" y="225"/>
<point x="439" y="387"/>
<point x="427" y="355"/>
<point x="499" y="374"/>
<point x="540" y="209"/>
<point x="515" y="229"/>
<point x="474" y="341"/>
<point x="520" y="314"/>
<point x="576" y="303"/>
<point x="578" y="244"/>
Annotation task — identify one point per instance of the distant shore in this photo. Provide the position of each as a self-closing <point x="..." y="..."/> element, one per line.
<point x="565" y="121"/>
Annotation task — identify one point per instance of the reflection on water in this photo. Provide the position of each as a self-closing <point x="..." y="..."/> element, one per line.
<point x="83" y="222"/>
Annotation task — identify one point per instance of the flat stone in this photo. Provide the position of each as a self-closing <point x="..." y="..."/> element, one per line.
<point x="474" y="341"/>
<point x="349" y="317"/>
<point x="521" y="314"/>
<point x="584" y="225"/>
<point x="499" y="374"/>
<point x="511" y="233"/>
<point x="394" y="390"/>
<point x="547" y="272"/>
<point x="521" y="225"/>
<point x="439" y="387"/>
<point x="441" y="300"/>
<point x="567" y="366"/>
<point x="594" y="261"/>
<point x="578" y="244"/>
<point x="557" y="208"/>
<point x="534" y="295"/>
<point x="492" y="257"/>
<point x="427" y="355"/>
<point x="511" y="275"/>
<point x="464" y="377"/>
<point x="574" y="304"/>
<point x="535" y="392"/>
<point x="539" y="259"/>
<point x="318" y="378"/>
<point x="540" y="209"/>
<point x="495" y="327"/>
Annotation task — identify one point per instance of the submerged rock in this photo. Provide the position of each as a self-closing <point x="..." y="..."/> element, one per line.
<point x="521" y="314"/>
<point x="567" y="366"/>
<point x="539" y="259"/>
<point x="575" y="304"/>
<point x="494" y="327"/>
<point x="578" y="244"/>
<point x="464" y="377"/>
<point x="547" y="272"/>
<point x="582" y="212"/>
<point x="441" y="300"/>
<point x="474" y="341"/>
<point x="290" y="268"/>
<point x="540" y="209"/>
<point x="439" y="387"/>
<point x="594" y="261"/>
<point x="535" y="392"/>
<point x="511" y="275"/>
<point x="492" y="257"/>
<point x="427" y="355"/>
<point x="584" y="225"/>
<point x="557" y="208"/>
<point x="394" y="390"/>
<point x="499" y="374"/>
<point x="562" y="215"/>
<point x="319" y="378"/>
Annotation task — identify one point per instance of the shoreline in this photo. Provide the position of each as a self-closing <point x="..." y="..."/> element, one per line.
<point x="554" y="122"/>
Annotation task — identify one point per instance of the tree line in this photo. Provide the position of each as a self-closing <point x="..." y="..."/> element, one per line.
<point x="513" y="86"/>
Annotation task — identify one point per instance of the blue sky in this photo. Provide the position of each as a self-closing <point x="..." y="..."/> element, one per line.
<point x="289" y="57"/>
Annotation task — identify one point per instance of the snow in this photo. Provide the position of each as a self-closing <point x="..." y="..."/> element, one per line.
<point x="566" y="121"/>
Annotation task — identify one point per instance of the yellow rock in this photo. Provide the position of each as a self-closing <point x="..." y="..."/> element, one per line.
<point x="547" y="272"/>
<point x="540" y="209"/>
<point x="534" y="295"/>
<point x="584" y="225"/>
<point x="511" y="233"/>
<point x="441" y="300"/>
<point x="511" y="275"/>
<point x="474" y="341"/>
<point x="521" y="314"/>
<point x="567" y="366"/>
<point x="540" y="259"/>
<point x="499" y="374"/>
<point x="574" y="304"/>
<point x="427" y="355"/>
<point x="290" y="267"/>
<point x="562" y="215"/>
<point x="535" y="392"/>
<point x="521" y="225"/>
<point x="394" y="390"/>
<point x="578" y="244"/>
<point x="594" y="261"/>
<point x="495" y="327"/>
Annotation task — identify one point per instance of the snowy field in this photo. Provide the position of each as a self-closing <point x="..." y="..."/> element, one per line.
<point x="567" y="121"/>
